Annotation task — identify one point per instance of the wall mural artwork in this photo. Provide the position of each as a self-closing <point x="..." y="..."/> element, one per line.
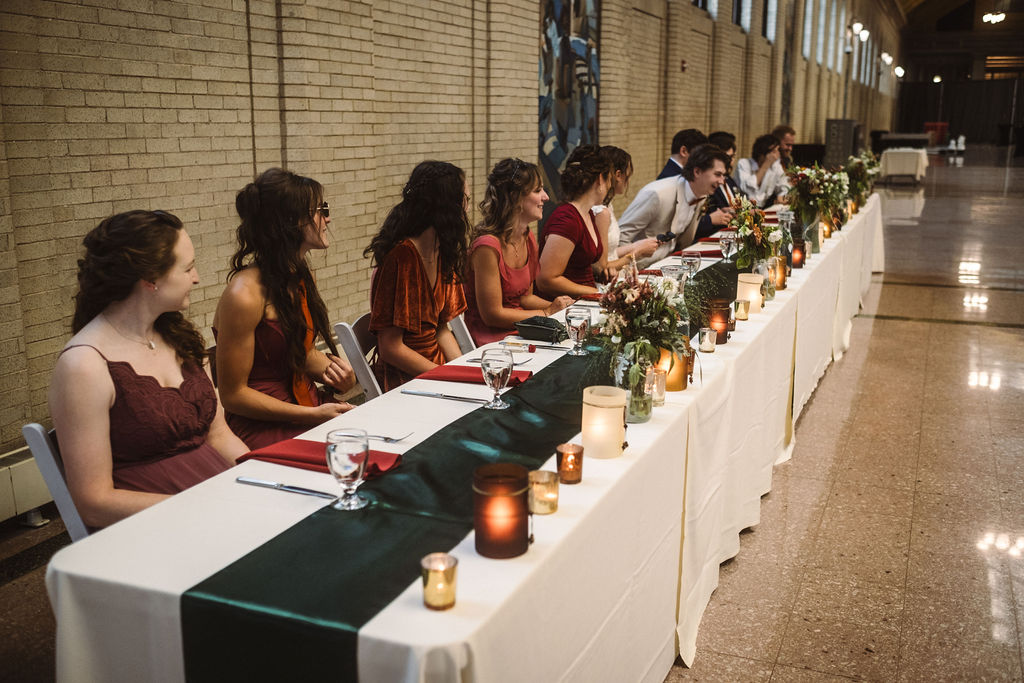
<point x="569" y="80"/>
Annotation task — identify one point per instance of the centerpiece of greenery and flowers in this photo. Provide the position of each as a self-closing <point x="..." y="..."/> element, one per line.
<point x="815" y="191"/>
<point x="861" y="170"/>
<point x="757" y="240"/>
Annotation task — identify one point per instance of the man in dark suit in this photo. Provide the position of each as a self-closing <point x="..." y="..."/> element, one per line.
<point x="682" y="143"/>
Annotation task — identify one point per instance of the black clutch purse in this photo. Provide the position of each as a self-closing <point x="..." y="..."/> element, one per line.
<point x="539" y="328"/>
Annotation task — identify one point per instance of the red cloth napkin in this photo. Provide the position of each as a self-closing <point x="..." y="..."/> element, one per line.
<point x="471" y="375"/>
<point x="710" y="253"/>
<point x="651" y="271"/>
<point x="590" y="297"/>
<point x="311" y="455"/>
<point x="708" y="239"/>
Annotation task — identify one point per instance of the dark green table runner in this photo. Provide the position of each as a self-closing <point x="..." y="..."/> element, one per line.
<point x="292" y="608"/>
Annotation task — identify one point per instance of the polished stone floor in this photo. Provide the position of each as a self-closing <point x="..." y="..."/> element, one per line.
<point x="891" y="547"/>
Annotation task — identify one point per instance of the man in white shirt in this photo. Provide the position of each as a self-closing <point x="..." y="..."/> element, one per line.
<point x="669" y="209"/>
<point x="761" y="176"/>
<point x="787" y="138"/>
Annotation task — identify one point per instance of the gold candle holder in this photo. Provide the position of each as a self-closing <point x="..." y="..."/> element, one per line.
<point x="438" y="571"/>
<point x="570" y="463"/>
<point x="543" y="492"/>
<point x="742" y="309"/>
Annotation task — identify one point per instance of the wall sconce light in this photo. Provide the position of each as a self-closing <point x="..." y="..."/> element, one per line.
<point x="899" y="71"/>
<point x="856" y="27"/>
<point x="887" y="58"/>
<point x="993" y="18"/>
<point x="936" y="79"/>
<point x="864" y="35"/>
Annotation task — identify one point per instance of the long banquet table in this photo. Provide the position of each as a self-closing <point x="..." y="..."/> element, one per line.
<point x="614" y="586"/>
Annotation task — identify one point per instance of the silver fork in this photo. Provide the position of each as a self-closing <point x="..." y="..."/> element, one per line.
<point x="389" y="439"/>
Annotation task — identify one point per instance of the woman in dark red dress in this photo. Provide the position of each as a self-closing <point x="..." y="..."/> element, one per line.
<point x="137" y="416"/>
<point x="420" y="253"/>
<point x="271" y="314"/>
<point x="569" y="243"/>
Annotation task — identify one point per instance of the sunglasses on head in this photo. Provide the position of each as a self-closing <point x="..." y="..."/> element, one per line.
<point x="324" y="210"/>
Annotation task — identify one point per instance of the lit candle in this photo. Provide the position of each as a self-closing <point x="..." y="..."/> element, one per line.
<point x="604" y="421"/>
<point x="543" y="492"/>
<point x="749" y="287"/>
<point x="780" y="272"/>
<point x="720" y="324"/>
<point x="742" y="309"/>
<point x="825" y="230"/>
<point x="707" y="339"/>
<point x="676" y="367"/>
<point x="798" y="257"/>
<point x="570" y="462"/>
<point x="500" y="510"/>
<point x="438" y="571"/>
<point x="657" y="378"/>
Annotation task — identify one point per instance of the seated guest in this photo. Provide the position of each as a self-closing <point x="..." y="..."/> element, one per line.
<point x="718" y="210"/>
<point x="617" y="255"/>
<point x="669" y="209"/>
<point x="136" y="414"/>
<point x="787" y="137"/>
<point x="683" y="143"/>
<point x="761" y="176"/>
<point x="503" y="260"/>
<point x="569" y="242"/>
<point x="271" y="313"/>
<point x="420" y="253"/>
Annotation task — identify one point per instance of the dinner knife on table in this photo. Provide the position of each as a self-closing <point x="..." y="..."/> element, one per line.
<point x="450" y="397"/>
<point x="252" y="481"/>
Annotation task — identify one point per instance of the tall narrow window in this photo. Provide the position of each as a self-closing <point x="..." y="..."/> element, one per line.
<point x="702" y="4"/>
<point x="769" y="9"/>
<point x="808" y="24"/>
<point x="855" y="59"/>
<point x="831" y="38"/>
<point x="841" y="39"/>
<point x="819" y="52"/>
<point x="737" y="12"/>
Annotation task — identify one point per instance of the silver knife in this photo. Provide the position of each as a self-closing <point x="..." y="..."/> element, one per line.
<point x="284" y="487"/>
<point x="450" y="397"/>
<point x="526" y="344"/>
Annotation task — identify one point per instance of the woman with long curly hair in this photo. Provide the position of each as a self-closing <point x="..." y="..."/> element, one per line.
<point x="503" y="260"/>
<point x="570" y="243"/>
<point x="271" y="314"/>
<point x="419" y="253"/>
<point x="136" y="414"/>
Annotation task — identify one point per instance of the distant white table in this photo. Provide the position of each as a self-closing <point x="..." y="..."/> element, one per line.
<point x="904" y="161"/>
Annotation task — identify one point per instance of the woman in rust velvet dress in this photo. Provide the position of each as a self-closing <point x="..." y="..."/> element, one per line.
<point x="137" y="416"/>
<point x="271" y="313"/>
<point x="416" y="289"/>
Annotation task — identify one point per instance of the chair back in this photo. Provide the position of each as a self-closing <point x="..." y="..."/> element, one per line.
<point x="44" y="449"/>
<point x="357" y="342"/>
<point x="462" y="335"/>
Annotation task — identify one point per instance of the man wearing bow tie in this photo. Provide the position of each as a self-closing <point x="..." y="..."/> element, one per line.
<point x="670" y="209"/>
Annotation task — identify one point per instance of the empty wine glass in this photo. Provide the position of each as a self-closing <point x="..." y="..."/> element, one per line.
<point x="672" y="272"/>
<point x="496" y="364"/>
<point x="691" y="262"/>
<point x="347" y="453"/>
<point x="577" y="319"/>
<point x="727" y="241"/>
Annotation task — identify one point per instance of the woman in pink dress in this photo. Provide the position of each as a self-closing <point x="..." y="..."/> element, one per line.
<point x="503" y="260"/>
<point x="136" y="414"/>
<point x="570" y="243"/>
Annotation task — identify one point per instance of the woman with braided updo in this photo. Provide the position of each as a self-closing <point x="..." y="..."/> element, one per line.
<point x="570" y="243"/>
<point x="503" y="259"/>
<point x="420" y="253"/>
<point x="271" y="314"/>
<point x="136" y="414"/>
<point x="617" y="255"/>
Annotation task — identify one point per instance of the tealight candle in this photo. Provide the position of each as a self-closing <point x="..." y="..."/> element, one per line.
<point x="604" y="421"/>
<point x="657" y="378"/>
<point x="501" y="509"/>
<point x="749" y="287"/>
<point x="570" y="463"/>
<point x="543" y="492"/>
<point x="676" y="368"/>
<point x="708" y="335"/>
<point x="798" y="256"/>
<point x="742" y="309"/>
<point x="438" y="571"/>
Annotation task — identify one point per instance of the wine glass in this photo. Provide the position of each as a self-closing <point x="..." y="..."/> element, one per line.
<point x="690" y="261"/>
<point x="577" y="319"/>
<point x="347" y="453"/>
<point x="727" y="241"/>
<point x="496" y="364"/>
<point x="672" y="272"/>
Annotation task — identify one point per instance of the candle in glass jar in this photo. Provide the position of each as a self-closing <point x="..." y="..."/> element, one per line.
<point x="656" y="380"/>
<point x="570" y="463"/>
<point x="543" y="492"/>
<point x="707" y="339"/>
<point x="500" y="509"/>
<point x="798" y="257"/>
<point x="604" y="421"/>
<point x="676" y="369"/>
<point x="438" y="572"/>
<point x="742" y="309"/>
<point x="749" y="287"/>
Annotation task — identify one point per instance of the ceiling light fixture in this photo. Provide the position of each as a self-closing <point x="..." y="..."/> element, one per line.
<point x="887" y="58"/>
<point x="899" y="71"/>
<point x="936" y="79"/>
<point x="856" y="27"/>
<point x="864" y="34"/>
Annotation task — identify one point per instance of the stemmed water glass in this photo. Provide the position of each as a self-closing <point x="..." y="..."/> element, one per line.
<point x="727" y="241"/>
<point x="496" y="364"/>
<point x="691" y="262"/>
<point x="347" y="453"/>
<point x="577" y="319"/>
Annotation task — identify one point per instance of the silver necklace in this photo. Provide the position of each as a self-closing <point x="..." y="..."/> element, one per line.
<point x="145" y="341"/>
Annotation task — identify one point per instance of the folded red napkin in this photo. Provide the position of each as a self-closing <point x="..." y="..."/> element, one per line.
<point x="311" y="455"/>
<point x="708" y="239"/>
<point x="596" y="296"/>
<point x="470" y="374"/>
<point x="651" y="271"/>
<point x="710" y="253"/>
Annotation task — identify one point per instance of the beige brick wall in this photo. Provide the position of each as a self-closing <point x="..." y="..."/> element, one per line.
<point x="174" y="104"/>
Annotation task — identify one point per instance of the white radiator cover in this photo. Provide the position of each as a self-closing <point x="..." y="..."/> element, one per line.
<point x="21" y="485"/>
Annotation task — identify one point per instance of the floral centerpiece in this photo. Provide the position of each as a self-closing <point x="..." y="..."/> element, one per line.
<point x="861" y="171"/>
<point x="642" y="317"/>
<point x="816" y="191"/>
<point x="757" y="240"/>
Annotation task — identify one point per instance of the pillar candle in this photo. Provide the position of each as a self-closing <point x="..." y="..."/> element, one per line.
<point x="604" y="421"/>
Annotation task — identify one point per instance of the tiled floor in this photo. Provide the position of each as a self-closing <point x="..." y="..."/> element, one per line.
<point x="891" y="547"/>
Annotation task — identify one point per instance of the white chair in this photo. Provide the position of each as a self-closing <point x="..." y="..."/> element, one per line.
<point x="461" y="332"/>
<point x="47" y="456"/>
<point x="357" y="342"/>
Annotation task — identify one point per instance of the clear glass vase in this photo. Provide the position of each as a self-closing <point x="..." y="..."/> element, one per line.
<point x="631" y="375"/>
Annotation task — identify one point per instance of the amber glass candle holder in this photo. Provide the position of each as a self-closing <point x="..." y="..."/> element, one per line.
<point x="543" y="492"/>
<point x="501" y="510"/>
<point x="569" y="457"/>
<point x="438" y="572"/>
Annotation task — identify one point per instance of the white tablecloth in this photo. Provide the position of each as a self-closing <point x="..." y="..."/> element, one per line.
<point x="900" y="161"/>
<point x="617" y="580"/>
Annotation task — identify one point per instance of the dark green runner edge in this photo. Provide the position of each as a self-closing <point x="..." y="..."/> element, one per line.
<point x="292" y="608"/>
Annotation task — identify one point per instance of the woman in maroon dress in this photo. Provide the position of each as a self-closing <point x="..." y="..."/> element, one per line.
<point x="137" y="416"/>
<point x="420" y="253"/>
<point x="570" y="244"/>
<point x="271" y="313"/>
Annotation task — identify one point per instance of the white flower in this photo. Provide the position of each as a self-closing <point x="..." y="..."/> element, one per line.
<point x="775" y="236"/>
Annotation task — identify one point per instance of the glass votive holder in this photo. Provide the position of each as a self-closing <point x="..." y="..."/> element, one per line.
<point x="543" y="492"/>
<point x="438" y="570"/>
<point x="656" y="382"/>
<point x="570" y="462"/>
<point x="742" y="309"/>
<point x="708" y="336"/>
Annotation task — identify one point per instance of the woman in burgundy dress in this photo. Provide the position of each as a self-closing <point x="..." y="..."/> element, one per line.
<point x="137" y="416"/>
<point x="420" y="253"/>
<point x="271" y="314"/>
<point x="570" y="243"/>
<point x="503" y="259"/>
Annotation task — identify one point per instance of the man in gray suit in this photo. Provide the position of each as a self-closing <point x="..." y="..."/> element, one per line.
<point x="669" y="209"/>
